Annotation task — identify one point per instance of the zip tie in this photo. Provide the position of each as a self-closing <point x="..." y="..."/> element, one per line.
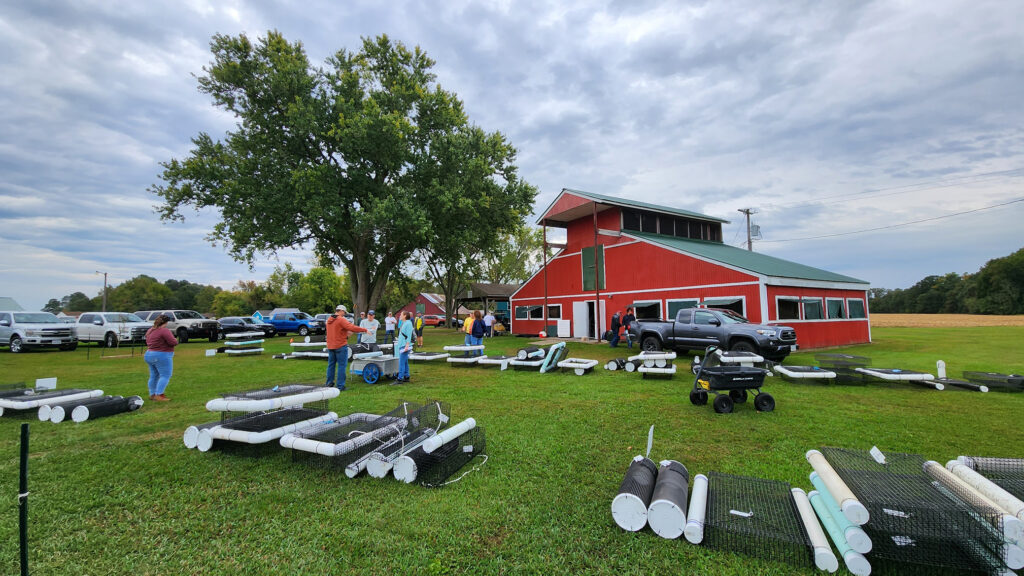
<point x="475" y="468"/>
<point x="23" y="496"/>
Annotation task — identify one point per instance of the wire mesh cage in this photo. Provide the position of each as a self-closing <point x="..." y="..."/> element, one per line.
<point x="260" y="422"/>
<point x="844" y="365"/>
<point x="422" y="423"/>
<point x="349" y="438"/>
<point x="997" y="381"/>
<point x="280" y="391"/>
<point x="12" y="389"/>
<point x="317" y="407"/>
<point x="912" y="519"/>
<point x="755" y="517"/>
<point x="434" y="469"/>
<point x="1007" y="473"/>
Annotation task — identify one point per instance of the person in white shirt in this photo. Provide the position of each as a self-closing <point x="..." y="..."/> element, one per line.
<point x="389" y="327"/>
<point x="372" y="325"/>
<point x="488" y="324"/>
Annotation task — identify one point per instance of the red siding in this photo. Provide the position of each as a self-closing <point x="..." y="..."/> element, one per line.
<point x="568" y="201"/>
<point x="821" y="333"/>
<point x="580" y="233"/>
<point x="429" y="307"/>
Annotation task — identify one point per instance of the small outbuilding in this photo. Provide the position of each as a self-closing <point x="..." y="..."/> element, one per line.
<point x="621" y="253"/>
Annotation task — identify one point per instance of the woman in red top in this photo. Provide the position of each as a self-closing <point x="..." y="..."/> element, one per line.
<point x="160" y="357"/>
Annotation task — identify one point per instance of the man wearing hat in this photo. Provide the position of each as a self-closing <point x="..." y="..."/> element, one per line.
<point x="338" y="330"/>
<point x="371" y="325"/>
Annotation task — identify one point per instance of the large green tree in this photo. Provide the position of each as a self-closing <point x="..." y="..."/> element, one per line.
<point x="340" y="156"/>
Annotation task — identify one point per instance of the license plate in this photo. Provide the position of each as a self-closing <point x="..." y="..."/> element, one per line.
<point x="54" y="341"/>
<point x="793" y="348"/>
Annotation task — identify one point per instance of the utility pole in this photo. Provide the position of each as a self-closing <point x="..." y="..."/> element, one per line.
<point x="104" y="289"/>
<point x="748" y="212"/>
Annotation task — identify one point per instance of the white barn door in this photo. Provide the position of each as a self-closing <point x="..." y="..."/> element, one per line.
<point x="580" y="319"/>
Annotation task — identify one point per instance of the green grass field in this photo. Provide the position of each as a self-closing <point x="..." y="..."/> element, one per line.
<point x="122" y="495"/>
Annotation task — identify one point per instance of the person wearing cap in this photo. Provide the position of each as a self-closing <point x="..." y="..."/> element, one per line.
<point x="389" y="327"/>
<point x="362" y="318"/>
<point x="338" y="330"/>
<point x="371" y="324"/>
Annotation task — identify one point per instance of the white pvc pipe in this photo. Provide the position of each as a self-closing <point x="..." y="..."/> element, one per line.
<point x="824" y="559"/>
<point x="848" y="503"/>
<point x="463" y="348"/>
<point x="858" y="539"/>
<point x="27" y="404"/>
<point x="191" y="435"/>
<point x="855" y="562"/>
<point x="1013" y="528"/>
<point x="1006" y="501"/>
<point x="435" y="442"/>
<point x="244" y="352"/>
<point x="816" y="374"/>
<point x="463" y="360"/>
<point x="44" y="410"/>
<point x="896" y="377"/>
<point x="242" y="405"/>
<point x="668" y="370"/>
<point x="378" y="467"/>
<point x="242" y="342"/>
<point x="206" y="437"/>
<point x="694" y="530"/>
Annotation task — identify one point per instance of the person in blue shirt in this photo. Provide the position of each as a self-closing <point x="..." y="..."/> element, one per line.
<point x="403" y="346"/>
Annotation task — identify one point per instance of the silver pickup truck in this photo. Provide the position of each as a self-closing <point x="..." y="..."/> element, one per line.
<point x="111" y="329"/>
<point x="698" y="328"/>
<point x="24" y="330"/>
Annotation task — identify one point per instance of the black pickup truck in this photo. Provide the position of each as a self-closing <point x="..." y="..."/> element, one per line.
<point x="698" y="328"/>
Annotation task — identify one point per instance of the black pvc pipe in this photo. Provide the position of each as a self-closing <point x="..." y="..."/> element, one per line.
<point x="23" y="501"/>
<point x="108" y="408"/>
<point x="629" y="508"/>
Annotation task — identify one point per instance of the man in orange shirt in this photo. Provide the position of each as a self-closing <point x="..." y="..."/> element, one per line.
<point x="338" y="330"/>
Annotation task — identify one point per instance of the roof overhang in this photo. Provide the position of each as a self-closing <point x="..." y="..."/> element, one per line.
<point x="567" y="207"/>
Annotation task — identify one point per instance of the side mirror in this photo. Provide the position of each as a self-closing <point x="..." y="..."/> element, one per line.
<point x="98" y="322"/>
<point x="715" y="322"/>
<point x="5" y="322"/>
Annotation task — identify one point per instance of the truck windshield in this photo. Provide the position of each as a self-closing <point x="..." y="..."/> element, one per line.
<point x="730" y="317"/>
<point x="247" y="320"/>
<point x="35" y="318"/>
<point x="122" y="317"/>
<point x="188" y="315"/>
<point x="303" y="316"/>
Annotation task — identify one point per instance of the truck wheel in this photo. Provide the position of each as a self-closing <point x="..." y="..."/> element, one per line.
<point x="738" y="396"/>
<point x="650" y="344"/>
<point x="110" y="340"/>
<point x="182" y="335"/>
<point x="764" y="402"/>
<point x="17" y="346"/>
<point x="723" y="404"/>
<point x="214" y="335"/>
<point x="69" y="347"/>
<point x="743" y="346"/>
<point x="698" y="397"/>
<point x="303" y="331"/>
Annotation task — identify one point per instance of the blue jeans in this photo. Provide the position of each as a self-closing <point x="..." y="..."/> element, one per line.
<point x="474" y="341"/>
<point x="337" y="361"/>
<point x="629" y="340"/>
<point x="161" y="365"/>
<point x="469" y="340"/>
<point x="390" y="336"/>
<point x="403" y="365"/>
<point x="615" y="338"/>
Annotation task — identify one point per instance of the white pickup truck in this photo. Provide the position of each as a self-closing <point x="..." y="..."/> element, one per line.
<point x="23" y="330"/>
<point x="111" y="329"/>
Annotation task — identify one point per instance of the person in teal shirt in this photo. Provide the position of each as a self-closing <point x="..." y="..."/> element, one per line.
<point x="403" y="346"/>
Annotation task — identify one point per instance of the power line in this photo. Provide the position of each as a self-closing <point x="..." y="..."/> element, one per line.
<point x="901" y="224"/>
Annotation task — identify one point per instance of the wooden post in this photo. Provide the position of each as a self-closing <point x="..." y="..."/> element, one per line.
<point x="545" y="249"/>
<point x="597" y="283"/>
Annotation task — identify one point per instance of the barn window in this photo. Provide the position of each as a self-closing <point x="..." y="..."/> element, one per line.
<point x="716" y="232"/>
<point x="835" y="308"/>
<point x="647" y="310"/>
<point x="536" y="312"/>
<point x="648" y="222"/>
<point x="630" y="220"/>
<point x="682" y="228"/>
<point x="787" y="307"/>
<point x="812" y="309"/>
<point x="666" y="225"/>
<point x="554" y="311"/>
<point x="523" y="312"/>
<point x="734" y="303"/>
<point x="674" y="306"/>
<point x="855" y="307"/>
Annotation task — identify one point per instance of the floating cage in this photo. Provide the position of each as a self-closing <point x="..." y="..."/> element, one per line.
<point x="427" y="356"/>
<point x="1007" y="473"/>
<point x="244" y="432"/>
<point x="12" y="389"/>
<point x="845" y="366"/>
<point x="21" y="400"/>
<point x="435" y="468"/>
<point x="57" y="413"/>
<point x="793" y="373"/>
<point x="997" y="381"/>
<point x="755" y="517"/>
<point x="109" y="407"/>
<point x="422" y="424"/>
<point x="912" y="520"/>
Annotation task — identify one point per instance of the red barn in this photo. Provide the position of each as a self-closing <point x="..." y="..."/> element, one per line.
<point x="660" y="260"/>
<point x="424" y="303"/>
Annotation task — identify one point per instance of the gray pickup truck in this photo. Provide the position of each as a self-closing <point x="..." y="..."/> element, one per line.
<point x="698" y="328"/>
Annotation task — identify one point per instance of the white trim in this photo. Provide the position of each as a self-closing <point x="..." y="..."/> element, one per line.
<point x="606" y="232"/>
<point x="799" y="308"/>
<point x="842" y="301"/>
<point x="549" y="312"/>
<point x="821" y="302"/>
<point x="816" y="321"/>
<point x="651" y="290"/>
<point x="560" y="256"/>
<point x="660" y="303"/>
<point x="863" y="303"/>
<point x="802" y="283"/>
<point x="763" y="294"/>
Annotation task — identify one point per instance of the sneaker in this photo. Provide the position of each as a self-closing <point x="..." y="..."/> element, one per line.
<point x="329" y="385"/>
<point x="161" y="398"/>
<point x="341" y="388"/>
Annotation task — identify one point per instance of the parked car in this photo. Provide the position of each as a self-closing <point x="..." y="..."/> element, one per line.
<point x="236" y="324"/>
<point x="185" y="324"/>
<point x="110" y="329"/>
<point x="24" y="330"/>
<point x="298" y="322"/>
<point x="433" y="320"/>
<point x="698" y="328"/>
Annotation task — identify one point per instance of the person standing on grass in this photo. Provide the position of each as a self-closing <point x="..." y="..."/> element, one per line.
<point x="467" y="327"/>
<point x="338" y="330"/>
<point x="488" y="324"/>
<point x="403" y="346"/>
<point x="362" y="318"/>
<point x="627" y="323"/>
<point x="371" y="325"/>
<point x="616" y="324"/>
<point x="159" y="355"/>
<point x="477" y="332"/>
<point x="389" y="327"/>
<point x="418" y="329"/>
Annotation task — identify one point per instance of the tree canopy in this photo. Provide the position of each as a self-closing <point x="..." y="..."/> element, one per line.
<point x="355" y="157"/>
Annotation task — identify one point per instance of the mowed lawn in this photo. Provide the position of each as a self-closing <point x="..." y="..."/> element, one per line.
<point x="122" y="495"/>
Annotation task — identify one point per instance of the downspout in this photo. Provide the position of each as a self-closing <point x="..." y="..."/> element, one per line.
<point x="597" y="283"/>
<point x="545" y="249"/>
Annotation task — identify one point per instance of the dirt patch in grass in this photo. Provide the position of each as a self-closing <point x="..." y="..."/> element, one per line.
<point x="943" y="320"/>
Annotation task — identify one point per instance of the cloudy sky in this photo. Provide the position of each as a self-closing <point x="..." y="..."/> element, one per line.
<point x="825" y="117"/>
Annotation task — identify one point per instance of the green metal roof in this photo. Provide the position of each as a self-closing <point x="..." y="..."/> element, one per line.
<point x="753" y="261"/>
<point x="639" y="205"/>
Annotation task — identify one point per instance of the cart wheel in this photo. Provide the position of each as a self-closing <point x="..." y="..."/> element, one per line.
<point x="723" y="404"/>
<point x="698" y="397"/>
<point x="738" y="396"/>
<point x="695" y="365"/>
<point x="371" y="373"/>
<point x="764" y="402"/>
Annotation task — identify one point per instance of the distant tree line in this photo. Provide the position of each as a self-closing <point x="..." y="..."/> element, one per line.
<point x="998" y="288"/>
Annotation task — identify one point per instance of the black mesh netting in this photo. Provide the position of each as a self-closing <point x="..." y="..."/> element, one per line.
<point x="269" y="393"/>
<point x="1008" y="473"/>
<point x="355" y="435"/>
<point x="12" y="397"/>
<point x="997" y="381"/>
<point x="844" y="365"/>
<point x="434" y="469"/>
<point x="755" y="517"/>
<point x="317" y="406"/>
<point x="12" y="389"/>
<point x="263" y="421"/>
<point x="913" y="518"/>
